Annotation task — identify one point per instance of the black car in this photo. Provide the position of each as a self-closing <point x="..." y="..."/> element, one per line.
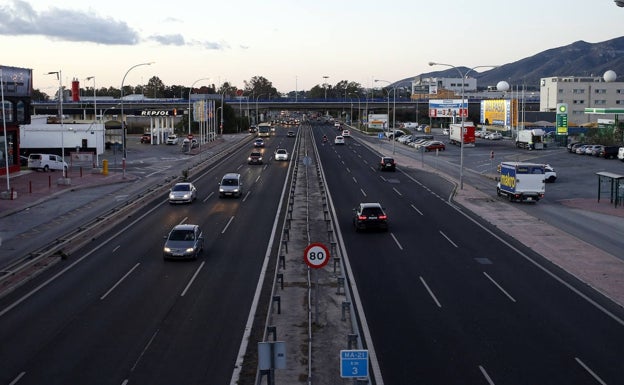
<point x="609" y="152"/>
<point x="259" y="143"/>
<point x="387" y="163"/>
<point x="370" y="216"/>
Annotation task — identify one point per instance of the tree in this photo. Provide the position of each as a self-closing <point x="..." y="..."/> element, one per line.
<point x="155" y="88"/>
<point x="259" y="85"/>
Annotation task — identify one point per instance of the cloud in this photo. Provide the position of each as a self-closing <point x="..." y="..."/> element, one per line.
<point x="168" y="39"/>
<point x="18" y="18"/>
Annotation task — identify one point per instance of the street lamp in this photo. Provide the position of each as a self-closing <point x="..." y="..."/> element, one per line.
<point x="97" y="156"/>
<point x="359" y="110"/>
<point x="59" y="76"/>
<point x="123" y="123"/>
<point x="462" y="113"/>
<point x="6" y="149"/>
<point x="325" y="85"/>
<point x="189" y="102"/>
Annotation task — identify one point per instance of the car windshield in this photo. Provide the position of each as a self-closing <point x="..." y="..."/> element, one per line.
<point x="229" y="182"/>
<point x="182" y="235"/>
<point x="372" y="211"/>
<point x="181" y="187"/>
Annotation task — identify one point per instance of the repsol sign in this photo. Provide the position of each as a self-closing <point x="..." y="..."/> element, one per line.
<point x="158" y="113"/>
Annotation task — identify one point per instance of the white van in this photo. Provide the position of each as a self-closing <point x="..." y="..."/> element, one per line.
<point x="620" y="154"/>
<point x="231" y="185"/>
<point x="46" y="162"/>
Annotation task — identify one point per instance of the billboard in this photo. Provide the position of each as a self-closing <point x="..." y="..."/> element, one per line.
<point x="17" y="82"/>
<point x="378" y="121"/>
<point x="499" y="112"/>
<point x="447" y="108"/>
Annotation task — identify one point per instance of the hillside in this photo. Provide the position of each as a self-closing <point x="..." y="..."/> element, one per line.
<point x="577" y="59"/>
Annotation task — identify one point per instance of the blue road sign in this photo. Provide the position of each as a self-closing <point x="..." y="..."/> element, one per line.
<point x="380" y="135"/>
<point x="354" y="363"/>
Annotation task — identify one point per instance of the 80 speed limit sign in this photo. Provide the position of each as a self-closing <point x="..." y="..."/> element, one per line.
<point x="316" y="255"/>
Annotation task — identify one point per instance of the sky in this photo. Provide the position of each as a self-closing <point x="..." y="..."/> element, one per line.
<point x="292" y="43"/>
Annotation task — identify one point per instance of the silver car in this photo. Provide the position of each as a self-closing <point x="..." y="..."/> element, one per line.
<point x="183" y="242"/>
<point x="184" y="192"/>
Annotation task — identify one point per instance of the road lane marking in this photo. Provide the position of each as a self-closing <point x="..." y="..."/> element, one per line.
<point x="430" y="292"/>
<point x="19" y="377"/>
<point x="208" y="197"/>
<point x="487" y="377"/>
<point x="591" y="372"/>
<point x="188" y="285"/>
<point x="257" y="178"/>
<point x="354" y="180"/>
<point x="348" y="170"/>
<point x="448" y="239"/>
<point x="119" y="282"/>
<point x="396" y="241"/>
<point x="397" y="191"/>
<point x="363" y="193"/>
<point x="418" y="211"/>
<point x="246" y="195"/>
<point x="227" y="225"/>
<point x="499" y="287"/>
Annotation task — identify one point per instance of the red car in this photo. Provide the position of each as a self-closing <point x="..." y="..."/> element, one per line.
<point x="435" y="145"/>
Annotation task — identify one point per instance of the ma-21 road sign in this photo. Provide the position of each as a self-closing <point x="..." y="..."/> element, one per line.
<point x="316" y="255"/>
<point x="353" y="363"/>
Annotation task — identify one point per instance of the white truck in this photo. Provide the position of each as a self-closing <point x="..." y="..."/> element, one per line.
<point x="531" y="139"/>
<point x="520" y="181"/>
<point x="455" y="130"/>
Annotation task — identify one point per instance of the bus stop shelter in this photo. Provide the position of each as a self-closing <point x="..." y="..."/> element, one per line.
<point x="614" y="183"/>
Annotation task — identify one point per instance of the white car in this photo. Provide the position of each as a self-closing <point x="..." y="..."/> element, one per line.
<point x="281" y="154"/>
<point x="346" y="133"/>
<point x="495" y="136"/>
<point x="339" y="140"/>
<point x="184" y="192"/>
<point x="172" y="139"/>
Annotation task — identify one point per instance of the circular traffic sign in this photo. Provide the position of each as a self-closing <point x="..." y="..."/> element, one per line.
<point x="316" y="255"/>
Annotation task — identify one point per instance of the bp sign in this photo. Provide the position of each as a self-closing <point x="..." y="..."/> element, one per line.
<point x="562" y="119"/>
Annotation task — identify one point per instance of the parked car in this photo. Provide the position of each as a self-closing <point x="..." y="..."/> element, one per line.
<point x="609" y="152"/>
<point x="184" y="241"/>
<point x="589" y="150"/>
<point x="445" y="131"/>
<point x="146" y="138"/>
<point x="581" y="149"/>
<point x="434" y="145"/>
<point x="595" y="151"/>
<point x="46" y="162"/>
<point x="495" y="136"/>
<point x="574" y="147"/>
<point x="281" y="154"/>
<point x="387" y="163"/>
<point x="549" y="173"/>
<point x="184" y="192"/>
<point x="172" y="139"/>
<point x="231" y="185"/>
<point x="370" y="216"/>
<point x="255" y="158"/>
<point x="339" y="140"/>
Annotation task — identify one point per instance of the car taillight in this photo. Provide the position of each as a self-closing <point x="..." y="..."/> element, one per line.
<point x="362" y="217"/>
<point x="384" y="217"/>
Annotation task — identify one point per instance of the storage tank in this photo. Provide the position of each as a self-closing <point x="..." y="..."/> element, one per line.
<point x="75" y="90"/>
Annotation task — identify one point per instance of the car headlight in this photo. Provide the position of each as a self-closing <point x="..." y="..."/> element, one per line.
<point x="190" y="250"/>
<point x="248" y="159"/>
<point x="167" y="250"/>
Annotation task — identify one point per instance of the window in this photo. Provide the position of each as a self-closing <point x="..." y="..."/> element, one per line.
<point x="600" y="102"/>
<point x="600" y="91"/>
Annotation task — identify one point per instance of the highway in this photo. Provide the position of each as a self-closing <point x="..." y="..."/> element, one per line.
<point x="451" y="301"/>
<point x="119" y="314"/>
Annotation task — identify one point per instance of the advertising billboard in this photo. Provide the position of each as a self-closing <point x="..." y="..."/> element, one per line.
<point x="378" y="121"/>
<point x="499" y="112"/>
<point x="16" y="81"/>
<point x="447" y="108"/>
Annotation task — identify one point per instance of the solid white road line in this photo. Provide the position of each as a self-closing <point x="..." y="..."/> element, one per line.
<point x="119" y="282"/>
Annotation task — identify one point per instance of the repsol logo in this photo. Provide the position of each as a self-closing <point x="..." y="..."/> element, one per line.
<point x="508" y="180"/>
<point x="155" y="113"/>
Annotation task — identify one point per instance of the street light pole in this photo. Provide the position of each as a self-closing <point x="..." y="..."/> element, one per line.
<point x="189" y="102"/>
<point x="461" y="112"/>
<point x="59" y="76"/>
<point x="325" y="85"/>
<point x="97" y="158"/>
<point x="123" y="122"/>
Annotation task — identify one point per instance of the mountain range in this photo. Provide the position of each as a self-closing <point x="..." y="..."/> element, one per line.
<point x="577" y="59"/>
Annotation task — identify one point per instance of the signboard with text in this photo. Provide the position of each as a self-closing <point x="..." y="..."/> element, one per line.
<point x="448" y="108"/>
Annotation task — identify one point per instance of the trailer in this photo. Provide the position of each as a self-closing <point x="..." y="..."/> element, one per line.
<point x="521" y="181"/>
<point x="469" y="134"/>
<point x="531" y="139"/>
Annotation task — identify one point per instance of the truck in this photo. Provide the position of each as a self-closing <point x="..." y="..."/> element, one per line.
<point x="521" y="181"/>
<point x="469" y="134"/>
<point x="531" y="139"/>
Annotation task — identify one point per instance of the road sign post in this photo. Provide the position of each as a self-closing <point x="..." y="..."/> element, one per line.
<point x="354" y="363"/>
<point x="316" y="256"/>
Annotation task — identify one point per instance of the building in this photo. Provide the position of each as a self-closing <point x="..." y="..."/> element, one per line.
<point x="581" y="93"/>
<point x="430" y="87"/>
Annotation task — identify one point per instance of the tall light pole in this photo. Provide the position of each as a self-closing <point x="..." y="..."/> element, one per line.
<point x="393" y="102"/>
<point x="59" y="76"/>
<point x="359" y="110"/>
<point x="123" y="122"/>
<point x="97" y="156"/>
<point x="462" y="113"/>
<point x="325" y="85"/>
<point x="189" y="102"/>
<point x="6" y="148"/>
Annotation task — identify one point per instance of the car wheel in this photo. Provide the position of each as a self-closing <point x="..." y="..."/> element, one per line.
<point x="46" y="168"/>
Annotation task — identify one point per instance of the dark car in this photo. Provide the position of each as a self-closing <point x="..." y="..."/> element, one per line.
<point x="259" y="143"/>
<point x="609" y="152"/>
<point x="255" y="158"/>
<point x="184" y="241"/>
<point x="146" y="138"/>
<point x="370" y="216"/>
<point x="290" y="134"/>
<point x="434" y="145"/>
<point x="387" y="163"/>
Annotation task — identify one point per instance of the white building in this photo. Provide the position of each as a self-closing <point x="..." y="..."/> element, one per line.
<point x="450" y="84"/>
<point x="581" y="93"/>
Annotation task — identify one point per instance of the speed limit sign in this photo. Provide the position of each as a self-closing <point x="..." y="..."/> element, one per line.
<point x="316" y="255"/>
